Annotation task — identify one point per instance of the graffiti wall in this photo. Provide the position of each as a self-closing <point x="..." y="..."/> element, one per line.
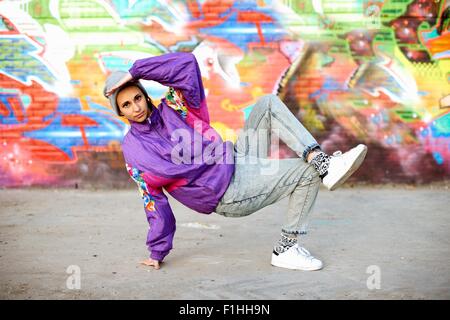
<point x="353" y="71"/>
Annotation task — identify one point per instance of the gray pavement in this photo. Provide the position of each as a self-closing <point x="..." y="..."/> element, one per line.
<point x="376" y="243"/>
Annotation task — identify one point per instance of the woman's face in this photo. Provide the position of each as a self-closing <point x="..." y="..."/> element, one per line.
<point x="132" y="104"/>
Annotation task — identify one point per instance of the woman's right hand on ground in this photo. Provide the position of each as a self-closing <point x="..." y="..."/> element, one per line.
<point x="121" y="82"/>
<point x="151" y="262"/>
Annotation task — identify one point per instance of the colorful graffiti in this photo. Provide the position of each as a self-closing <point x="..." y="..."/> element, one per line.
<point x="371" y="71"/>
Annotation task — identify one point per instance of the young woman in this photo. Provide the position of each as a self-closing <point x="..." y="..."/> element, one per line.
<point x="173" y="146"/>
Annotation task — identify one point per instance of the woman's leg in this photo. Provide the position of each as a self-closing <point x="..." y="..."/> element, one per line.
<point x="251" y="190"/>
<point x="259" y="181"/>
<point x="270" y="114"/>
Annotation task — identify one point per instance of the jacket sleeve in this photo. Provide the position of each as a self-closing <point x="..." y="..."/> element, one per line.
<point x="162" y="224"/>
<point x="180" y="71"/>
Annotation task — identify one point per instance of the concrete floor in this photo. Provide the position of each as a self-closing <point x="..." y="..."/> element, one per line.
<point x="403" y="232"/>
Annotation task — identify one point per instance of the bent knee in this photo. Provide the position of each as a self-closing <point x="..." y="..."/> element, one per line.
<point x="272" y="97"/>
<point x="266" y="101"/>
<point x="269" y="97"/>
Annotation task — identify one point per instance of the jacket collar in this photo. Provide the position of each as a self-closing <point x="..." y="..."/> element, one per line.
<point x="148" y="124"/>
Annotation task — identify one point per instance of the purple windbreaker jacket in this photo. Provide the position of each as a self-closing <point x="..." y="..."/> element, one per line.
<point x="176" y="148"/>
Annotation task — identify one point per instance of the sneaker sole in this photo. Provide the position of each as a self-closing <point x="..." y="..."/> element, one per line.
<point x="289" y="266"/>
<point x="356" y="164"/>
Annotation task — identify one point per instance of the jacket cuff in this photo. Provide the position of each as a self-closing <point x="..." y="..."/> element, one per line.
<point x="134" y="72"/>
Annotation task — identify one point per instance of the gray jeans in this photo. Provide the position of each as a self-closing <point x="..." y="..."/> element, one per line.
<point x="259" y="181"/>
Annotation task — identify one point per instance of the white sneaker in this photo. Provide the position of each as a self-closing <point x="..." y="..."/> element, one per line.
<point x="297" y="258"/>
<point x="342" y="166"/>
